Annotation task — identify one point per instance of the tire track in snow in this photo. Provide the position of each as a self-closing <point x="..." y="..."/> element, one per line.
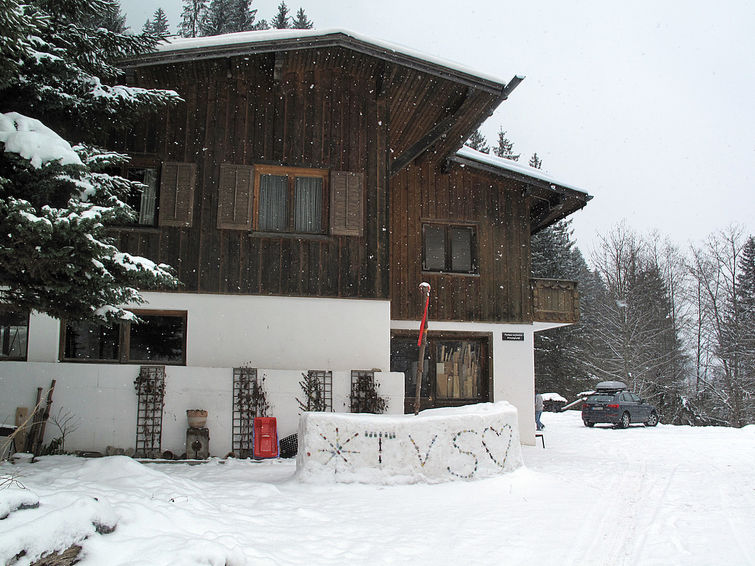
<point x="603" y="534"/>
<point x="743" y="540"/>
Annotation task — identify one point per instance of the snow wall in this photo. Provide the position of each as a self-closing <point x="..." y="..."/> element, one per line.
<point x="471" y="442"/>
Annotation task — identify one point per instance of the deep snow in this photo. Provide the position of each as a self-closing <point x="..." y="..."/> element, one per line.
<point x="665" y="495"/>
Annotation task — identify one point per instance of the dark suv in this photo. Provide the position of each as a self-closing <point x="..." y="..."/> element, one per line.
<point x="612" y="403"/>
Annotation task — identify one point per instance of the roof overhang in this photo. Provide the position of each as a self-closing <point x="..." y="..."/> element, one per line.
<point x="246" y="43"/>
<point x="552" y="200"/>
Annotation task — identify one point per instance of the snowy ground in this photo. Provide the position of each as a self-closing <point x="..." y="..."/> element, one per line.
<point x="651" y="496"/>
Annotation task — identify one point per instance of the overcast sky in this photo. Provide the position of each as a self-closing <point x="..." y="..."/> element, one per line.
<point x="648" y="105"/>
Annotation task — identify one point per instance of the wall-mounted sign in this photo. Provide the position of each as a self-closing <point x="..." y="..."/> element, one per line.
<point x="513" y="336"/>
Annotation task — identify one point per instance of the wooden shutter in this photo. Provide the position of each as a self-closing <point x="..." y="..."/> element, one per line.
<point x="235" y="192"/>
<point x="346" y="203"/>
<point x="177" y="194"/>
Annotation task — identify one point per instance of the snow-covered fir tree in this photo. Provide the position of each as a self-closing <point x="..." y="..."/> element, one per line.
<point x="535" y="161"/>
<point x="477" y="141"/>
<point x="111" y="18"/>
<point x="746" y="340"/>
<point x="59" y="98"/>
<point x="281" y="20"/>
<point x="158" y="24"/>
<point x="243" y="16"/>
<point x="504" y="147"/>
<point x="229" y="16"/>
<point x="301" y="21"/>
<point x="560" y="352"/>
<point x="192" y="18"/>
<point x="218" y="20"/>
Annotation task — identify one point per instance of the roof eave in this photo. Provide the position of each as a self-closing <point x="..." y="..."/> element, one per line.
<point x="337" y="39"/>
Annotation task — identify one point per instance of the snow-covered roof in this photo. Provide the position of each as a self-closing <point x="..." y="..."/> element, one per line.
<point x="515" y="167"/>
<point x="278" y="40"/>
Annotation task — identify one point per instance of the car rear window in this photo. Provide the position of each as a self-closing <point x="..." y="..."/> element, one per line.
<point x="600" y="398"/>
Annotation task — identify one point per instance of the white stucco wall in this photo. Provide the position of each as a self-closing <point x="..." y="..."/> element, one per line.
<point x="272" y="332"/>
<point x="286" y="336"/>
<point x="513" y="370"/>
<point x="103" y="400"/>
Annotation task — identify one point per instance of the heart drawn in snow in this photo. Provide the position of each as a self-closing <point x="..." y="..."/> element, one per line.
<point x="497" y="442"/>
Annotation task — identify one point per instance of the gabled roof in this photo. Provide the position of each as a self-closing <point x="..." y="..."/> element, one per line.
<point x="242" y="43"/>
<point x="455" y="100"/>
<point x="553" y="200"/>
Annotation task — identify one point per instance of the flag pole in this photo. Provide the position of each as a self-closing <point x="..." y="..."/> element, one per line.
<point x="422" y="343"/>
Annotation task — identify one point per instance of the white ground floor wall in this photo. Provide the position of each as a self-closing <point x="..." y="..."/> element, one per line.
<point x="103" y="401"/>
<point x="280" y="336"/>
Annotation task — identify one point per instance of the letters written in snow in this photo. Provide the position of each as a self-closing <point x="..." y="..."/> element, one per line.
<point x="468" y="449"/>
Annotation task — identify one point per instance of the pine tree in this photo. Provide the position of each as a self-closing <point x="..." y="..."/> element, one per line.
<point x="281" y="20"/>
<point x="301" y="21"/>
<point x="242" y="17"/>
<point x="746" y="335"/>
<point x="158" y="25"/>
<point x="505" y="148"/>
<point x="192" y="18"/>
<point x="477" y="141"/>
<point x="560" y="352"/>
<point x="56" y="201"/>
<point x="110" y="18"/>
<point x="535" y="161"/>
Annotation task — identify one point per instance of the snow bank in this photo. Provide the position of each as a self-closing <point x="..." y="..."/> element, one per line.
<point x="59" y="522"/>
<point x="14" y="496"/>
<point x="34" y="141"/>
<point x="437" y="445"/>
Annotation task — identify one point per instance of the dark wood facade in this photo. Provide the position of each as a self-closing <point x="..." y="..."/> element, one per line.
<point x="498" y="209"/>
<point x="330" y="109"/>
<point x="382" y="127"/>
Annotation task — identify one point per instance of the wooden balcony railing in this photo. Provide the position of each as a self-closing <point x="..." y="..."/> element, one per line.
<point x="554" y="300"/>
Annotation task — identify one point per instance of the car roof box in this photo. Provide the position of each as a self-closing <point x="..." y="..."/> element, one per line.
<point x="611" y="386"/>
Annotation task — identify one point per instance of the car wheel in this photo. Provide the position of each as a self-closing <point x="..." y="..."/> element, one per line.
<point x="652" y="419"/>
<point x="624" y="423"/>
<point x="589" y="424"/>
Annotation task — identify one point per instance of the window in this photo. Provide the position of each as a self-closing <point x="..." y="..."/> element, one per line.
<point x="455" y="370"/>
<point x="160" y="337"/>
<point x="458" y="369"/>
<point x="14" y="329"/>
<point x="449" y="248"/>
<point x="288" y="199"/>
<point x="144" y="201"/>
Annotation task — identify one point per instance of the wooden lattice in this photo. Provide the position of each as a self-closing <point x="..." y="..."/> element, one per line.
<point x="244" y="409"/>
<point x="150" y="393"/>
<point x="364" y="395"/>
<point x="326" y="387"/>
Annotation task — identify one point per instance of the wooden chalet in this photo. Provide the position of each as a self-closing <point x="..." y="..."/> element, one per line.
<point x="312" y="168"/>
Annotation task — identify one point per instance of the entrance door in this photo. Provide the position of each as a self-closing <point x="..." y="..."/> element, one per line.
<point x="455" y="370"/>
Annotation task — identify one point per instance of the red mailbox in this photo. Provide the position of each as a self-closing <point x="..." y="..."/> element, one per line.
<point x="265" y="437"/>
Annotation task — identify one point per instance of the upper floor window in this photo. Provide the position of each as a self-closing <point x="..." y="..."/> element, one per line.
<point x="160" y="337"/>
<point x="449" y="248"/>
<point x="144" y="201"/>
<point x="14" y="330"/>
<point x="290" y="199"/>
<point x="167" y="195"/>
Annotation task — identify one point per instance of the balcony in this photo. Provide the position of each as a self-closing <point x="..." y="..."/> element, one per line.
<point x="554" y="300"/>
